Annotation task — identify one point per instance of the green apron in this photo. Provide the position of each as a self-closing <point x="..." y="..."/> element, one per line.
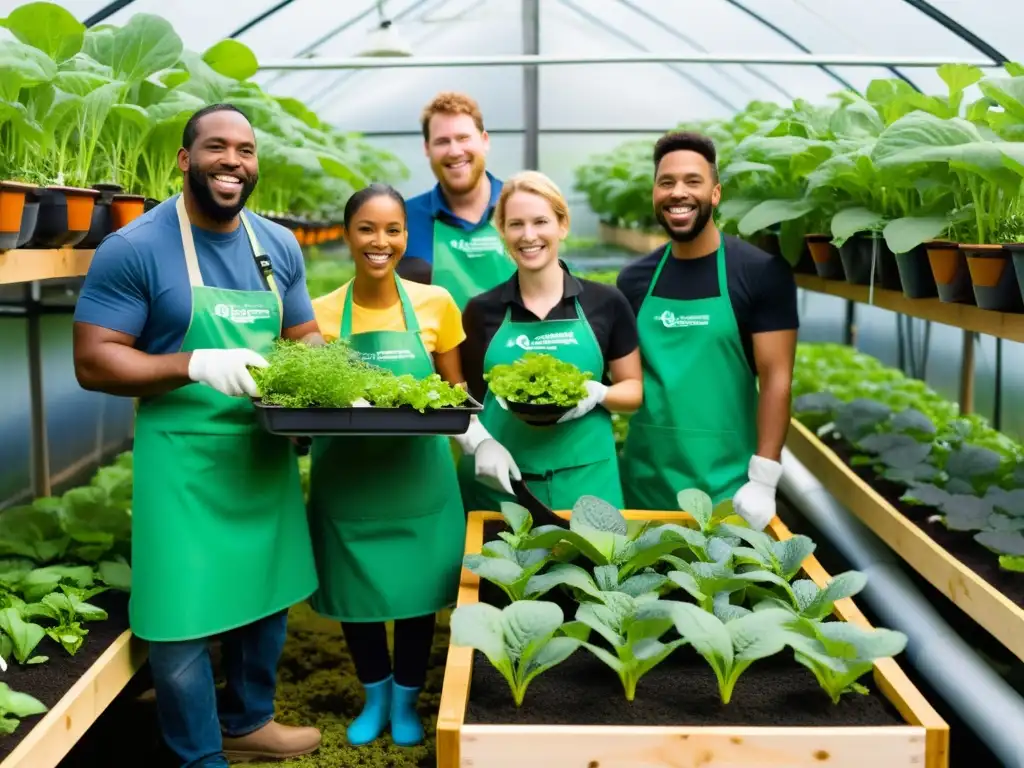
<point x="219" y="534"/>
<point x="697" y="427"/>
<point x="385" y="513"/>
<point x="469" y="263"/>
<point x="560" y="462"/>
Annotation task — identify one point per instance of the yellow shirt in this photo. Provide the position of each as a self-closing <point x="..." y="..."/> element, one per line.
<point x="438" y="315"/>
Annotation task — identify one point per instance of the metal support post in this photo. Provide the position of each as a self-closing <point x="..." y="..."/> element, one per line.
<point x="40" y="446"/>
<point x="967" y="373"/>
<point x="850" y="325"/>
<point x="531" y="85"/>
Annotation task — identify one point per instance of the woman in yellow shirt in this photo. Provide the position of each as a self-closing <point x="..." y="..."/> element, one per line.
<point x="385" y="513"/>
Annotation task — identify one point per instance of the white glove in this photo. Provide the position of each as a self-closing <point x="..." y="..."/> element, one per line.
<point x="755" y="501"/>
<point x="596" y="392"/>
<point x="225" y="370"/>
<point x="494" y="465"/>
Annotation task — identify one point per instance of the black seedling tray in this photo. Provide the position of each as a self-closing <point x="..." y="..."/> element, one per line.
<point x="538" y="415"/>
<point x="297" y="422"/>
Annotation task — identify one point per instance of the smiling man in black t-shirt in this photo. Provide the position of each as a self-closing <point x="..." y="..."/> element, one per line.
<point x="717" y="322"/>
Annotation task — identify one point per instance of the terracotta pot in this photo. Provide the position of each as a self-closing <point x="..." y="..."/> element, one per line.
<point x="994" y="278"/>
<point x="65" y="216"/>
<point x="125" y="209"/>
<point x="102" y="222"/>
<point x="12" y="212"/>
<point x="949" y="268"/>
<point x="825" y="256"/>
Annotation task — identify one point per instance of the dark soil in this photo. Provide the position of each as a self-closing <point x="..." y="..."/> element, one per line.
<point x="959" y="544"/>
<point x="682" y="690"/>
<point x="49" y="681"/>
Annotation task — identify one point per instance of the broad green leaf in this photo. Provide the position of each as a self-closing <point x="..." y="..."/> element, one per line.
<point x="22" y="66"/>
<point x="233" y="59"/>
<point x="480" y="626"/>
<point x="905" y="234"/>
<point x="595" y="513"/>
<point x="770" y="212"/>
<point x="851" y="221"/>
<point x="698" y="504"/>
<point x="518" y="517"/>
<point x="48" y="27"/>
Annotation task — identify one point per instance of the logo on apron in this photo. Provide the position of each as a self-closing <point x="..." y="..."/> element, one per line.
<point x="476" y="247"/>
<point x="546" y="341"/>
<point x="671" y="320"/>
<point x="387" y="354"/>
<point x="247" y="313"/>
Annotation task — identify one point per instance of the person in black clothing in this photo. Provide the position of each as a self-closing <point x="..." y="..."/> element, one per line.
<point x="544" y="308"/>
<point x="717" y="320"/>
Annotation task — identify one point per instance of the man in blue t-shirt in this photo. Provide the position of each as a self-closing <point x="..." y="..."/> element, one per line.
<point x="452" y="242"/>
<point x="175" y="310"/>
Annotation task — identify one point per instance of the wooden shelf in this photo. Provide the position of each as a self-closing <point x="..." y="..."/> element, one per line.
<point x="1005" y="325"/>
<point x="60" y="729"/>
<point x="25" y="265"/>
<point x="976" y="597"/>
<point x="923" y="741"/>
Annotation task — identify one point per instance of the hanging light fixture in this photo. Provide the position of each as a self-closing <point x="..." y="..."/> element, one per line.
<point x="384" y="40"/>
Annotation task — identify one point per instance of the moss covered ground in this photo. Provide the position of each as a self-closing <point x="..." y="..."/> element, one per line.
<point x="316" y="686"/>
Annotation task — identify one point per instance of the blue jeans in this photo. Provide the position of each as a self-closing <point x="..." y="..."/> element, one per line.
<point x="191" y="718"/>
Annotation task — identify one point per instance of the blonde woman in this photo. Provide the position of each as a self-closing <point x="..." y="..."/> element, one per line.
<point x="543" y="307"/>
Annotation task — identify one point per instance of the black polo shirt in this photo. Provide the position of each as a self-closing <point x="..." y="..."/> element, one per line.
<point x="605" y="308"/>
<point x="761" y="286"/>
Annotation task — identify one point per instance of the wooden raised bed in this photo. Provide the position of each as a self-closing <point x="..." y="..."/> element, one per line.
<point x="923" y="742"/>
<point x="966" y="588"/>
<point x="43" y="741"/>
<point x="634" y="240"/>
<point x="25" y="265"/>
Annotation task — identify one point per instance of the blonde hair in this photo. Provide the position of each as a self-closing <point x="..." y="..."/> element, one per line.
<point x="536" y="183"/>
<point x="450" y="103"/>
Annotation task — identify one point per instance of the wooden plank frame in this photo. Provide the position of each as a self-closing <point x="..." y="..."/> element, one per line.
<point x="59" y="730"/>
<point x="1005" y="325"/>
<point x="25" y="265"/>
<point x="922" y="743"/>
<point x="972" y="594"/>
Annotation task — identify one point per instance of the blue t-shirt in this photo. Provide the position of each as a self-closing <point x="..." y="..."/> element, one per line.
<point x="138" y="282"/>
<point x="421" y="211"/>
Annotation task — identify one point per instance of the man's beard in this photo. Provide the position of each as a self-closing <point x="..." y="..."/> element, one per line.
<point x="477" y="169"/>
<point x="199" y="184"/>
<point x="704" y="213"/>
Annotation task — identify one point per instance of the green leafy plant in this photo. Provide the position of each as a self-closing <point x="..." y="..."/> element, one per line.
<point x="521" y="641"/>
<point x="538" y="379"/>
<point x="335" y="376"/>
<point x="14" y="706"/>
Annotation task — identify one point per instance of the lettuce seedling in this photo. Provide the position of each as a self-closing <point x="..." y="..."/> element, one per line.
<point x="510" y="562"/>
<point x="538" y="379"/>
<point x="704" y="581"/>
<point x="599" y="533"/>
<point x="731" y="647"/>
<point x="839" y="654"/>
<point x="521" y="641"/>
<point x="606" y="579"/>
<point x="810" y="602"/>
<point x="783" y="558"/>
<point x="633" y="627"/>
<point x="15" y="705"/>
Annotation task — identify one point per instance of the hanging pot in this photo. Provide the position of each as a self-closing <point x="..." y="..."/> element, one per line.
<point x="993" y="277"/>
<point x="949" y="267"/>
<point x="916" y="274"/>
<point x="12" y="212"/>
<point x="825" y="256"/>
<point x="65" y="216"/>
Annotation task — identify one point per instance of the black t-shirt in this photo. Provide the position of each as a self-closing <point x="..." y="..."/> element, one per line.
<point x="603" y="306"/>
<point x="762" y="289"/>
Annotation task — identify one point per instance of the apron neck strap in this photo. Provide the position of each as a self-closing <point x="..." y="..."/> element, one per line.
<point x="408" y="313"/>
<point x="723" y="283"/>
<point x="195" y="277"/>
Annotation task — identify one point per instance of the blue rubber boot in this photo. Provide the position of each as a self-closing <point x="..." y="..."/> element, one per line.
<point x="374" y="717"/>
<point x="406" y="728"/>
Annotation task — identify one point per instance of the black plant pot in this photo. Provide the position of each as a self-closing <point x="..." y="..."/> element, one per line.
<point x="29" y="217"/>
<point x="916" y="274"/>
<point x="150" y="204"/>
<point x="993" y="277"/>
<point x="65" y="216"/>
<point x="856" y="255"/>
<point x="949" y="267"/>
<point x="538" y="415"/>
<point x="1016" y="251"/>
